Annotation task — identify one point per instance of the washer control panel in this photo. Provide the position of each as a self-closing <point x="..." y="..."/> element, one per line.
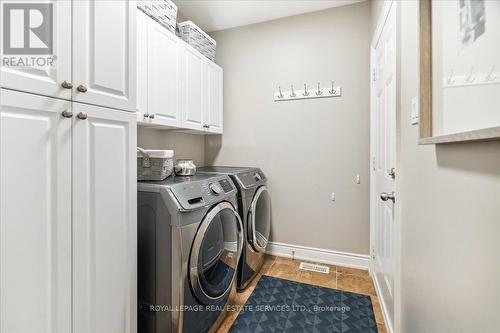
<point x="215" y="188"/>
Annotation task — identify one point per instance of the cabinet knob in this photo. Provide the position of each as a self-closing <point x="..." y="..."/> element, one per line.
<point x="82" y="115"/>
<point x="146" y="115"/>
<point x="67" y="114"/>
<point x="82" y="88"/>
<point x="67" y="85"/>
<point x="152" y="116"/>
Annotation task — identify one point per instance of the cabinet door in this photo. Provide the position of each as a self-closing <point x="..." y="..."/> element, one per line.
<point x="214" y="93"/>
<point x="43" y="73"/>
<point x="35" y="214"/>
<point x="104" y="53"/>
<point x="192" y="108"/>
<point x="142" y="63"/>
<point x="104" y="220"/>
<point x="163" y="75"/>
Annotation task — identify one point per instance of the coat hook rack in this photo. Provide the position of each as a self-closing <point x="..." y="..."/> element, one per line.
<point x="333" y="91"/>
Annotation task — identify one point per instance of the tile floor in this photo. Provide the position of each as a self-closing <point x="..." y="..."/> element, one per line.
<point x="341" y="278"/>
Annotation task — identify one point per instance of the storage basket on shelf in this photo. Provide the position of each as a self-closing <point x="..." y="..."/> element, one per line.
<point x="198" y="39"/>
<point x="154" y="164"/>
<point x="162" y="11"/>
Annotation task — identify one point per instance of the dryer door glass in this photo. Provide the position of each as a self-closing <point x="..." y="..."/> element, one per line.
<point x="259" y="217"/>
<point x="215" y="253"/>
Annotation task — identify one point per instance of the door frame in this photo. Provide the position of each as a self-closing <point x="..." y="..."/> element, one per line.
<point x="381" y="20"/>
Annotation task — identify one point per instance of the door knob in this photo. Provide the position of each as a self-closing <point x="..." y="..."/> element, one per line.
<point x="82" y="115"/>
<point x="384" y="196"/>
<point x="67" y="85"/>
<point x="82" y="88"/>
<point x="67" y="114"/>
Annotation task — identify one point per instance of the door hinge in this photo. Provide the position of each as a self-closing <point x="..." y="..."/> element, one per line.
<point x="374" y="163"/>
<point x="374" y="76"/>
<point x="373" y="254"/>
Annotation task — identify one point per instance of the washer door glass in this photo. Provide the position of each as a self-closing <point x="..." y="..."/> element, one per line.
<point x="259" y="226"/>
<point x="215" y="253"/>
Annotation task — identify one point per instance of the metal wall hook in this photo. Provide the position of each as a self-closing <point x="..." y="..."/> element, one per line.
<point x="293" y="94"/>
<point x="490" y="76"/>
<point x="470" y="78"/>
<point x="450" y="79"/>
<point x="281" y="94"/>
<point x="319" y="92"/>
<point x="305" y="93"/>
<point x="332" y="92"/>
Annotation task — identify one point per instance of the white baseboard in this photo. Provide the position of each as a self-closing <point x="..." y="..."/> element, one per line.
<point x="385" y="313"/>
<point x="330" y="257"/>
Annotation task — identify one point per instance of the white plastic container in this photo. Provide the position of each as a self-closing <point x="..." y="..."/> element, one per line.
<point x="154" y="164"/>
<point x="162" y="11"/>
<point x="198" y="39"/>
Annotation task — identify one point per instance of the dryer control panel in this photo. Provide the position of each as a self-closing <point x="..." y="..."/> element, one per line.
<point x="251" y="178"/>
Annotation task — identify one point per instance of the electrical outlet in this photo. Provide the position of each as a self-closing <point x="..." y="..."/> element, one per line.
<point x="333" y="196"/>
<point x="358" y="179"/>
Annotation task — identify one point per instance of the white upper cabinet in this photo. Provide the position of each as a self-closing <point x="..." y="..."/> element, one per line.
<point x="104" y="220"/>
<point x="142" y="65"/>
<point x="46" y="75"/>
<point x="213" y="98"/>
<point x="192" y="89"/>
<point x="35" y="208"/>
<point x="104" y="53"/>
<point x="163" y="75"/>
<point x="177" y="86"/>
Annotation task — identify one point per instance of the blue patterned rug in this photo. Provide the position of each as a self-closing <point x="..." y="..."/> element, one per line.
<point x="278" y="305"/>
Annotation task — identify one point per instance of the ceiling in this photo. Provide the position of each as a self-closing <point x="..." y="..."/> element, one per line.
<point x="220" y="15"/>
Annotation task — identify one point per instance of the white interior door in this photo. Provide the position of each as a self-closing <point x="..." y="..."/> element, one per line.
<point x="104" y="220"/>
<point x="104" y="53"/>
<point x="384" y="160"/>
<point x="163" y="75"/>
<point x="35" y="214"/>
<point x="42" y="77"/>
<point x="192" y="89"/>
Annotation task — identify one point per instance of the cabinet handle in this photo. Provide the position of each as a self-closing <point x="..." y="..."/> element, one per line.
<point x="67" y="85"/>
<point x="152" y="116"/>
<point x="82" y="88"/>
<point x="67" y="114"/>
<point x="82" y="115"/>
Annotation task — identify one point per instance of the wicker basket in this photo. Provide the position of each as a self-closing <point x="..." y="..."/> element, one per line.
<point x="162" y="11"/>
<point x="154" y="164"/>
<point x="198" y="39"/>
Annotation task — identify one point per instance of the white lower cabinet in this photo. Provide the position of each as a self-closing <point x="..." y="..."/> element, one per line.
<point x="104" y="220"/>
<point x="68" y="216"/>
<point x="35" y="214"/>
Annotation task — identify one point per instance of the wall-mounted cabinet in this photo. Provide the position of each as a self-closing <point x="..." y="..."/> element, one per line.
<point x="92" y="63"/>
<point x="178" y="87"/>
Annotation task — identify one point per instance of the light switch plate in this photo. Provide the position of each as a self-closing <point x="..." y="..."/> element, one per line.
<point x="415" y="114"/>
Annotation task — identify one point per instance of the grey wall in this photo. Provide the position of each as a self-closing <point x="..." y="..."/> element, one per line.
<point x="307" y="148"/>
<point x="450" y="219"/>
<point x="184" y="145"/>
